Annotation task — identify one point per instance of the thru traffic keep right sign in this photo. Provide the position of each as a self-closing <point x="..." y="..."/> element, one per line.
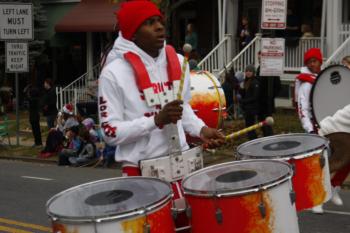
<point x="16" y="57"/>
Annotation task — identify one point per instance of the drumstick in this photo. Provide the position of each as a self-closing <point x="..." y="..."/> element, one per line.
<point x="187" y="48"/>
<point x="267" y="121"/>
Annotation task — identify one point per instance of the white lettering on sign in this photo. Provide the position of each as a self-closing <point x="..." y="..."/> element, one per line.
<point x="16" y="57"/>
<point x="274" y="14"/>
<point x="16" y="21"/>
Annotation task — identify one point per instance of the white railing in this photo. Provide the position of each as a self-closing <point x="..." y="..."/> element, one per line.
<point x="78" y="90"/>
<point x="244" y="58"/>
<point x="342" y="51"/>
<point x="294" y="56"/>
<point x="218" y="57"/>
<point x="344" y="32"/>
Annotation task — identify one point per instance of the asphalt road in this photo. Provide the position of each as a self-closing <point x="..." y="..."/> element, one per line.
<point x="25" y="188"/>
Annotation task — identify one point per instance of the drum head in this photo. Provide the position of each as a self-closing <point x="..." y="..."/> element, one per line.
<point x="281" y="146"/>
<point x="107" y="198"/>
<point x="330" y="92"/>
<point x="236" y="178"/>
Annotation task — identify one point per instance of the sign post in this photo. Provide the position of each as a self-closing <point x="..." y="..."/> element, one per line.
<point x="16" y="26"/>
<point x="274" y="14"/>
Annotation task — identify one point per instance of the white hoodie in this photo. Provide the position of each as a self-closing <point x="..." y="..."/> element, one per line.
<point x="302" y="95"/>
<point x="126" y="119"/>
<point x="339" y="122"/>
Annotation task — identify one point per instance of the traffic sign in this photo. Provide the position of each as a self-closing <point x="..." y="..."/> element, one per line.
<point x="274" y="14"/>
<point x="16" y="57"/>
<point x="16" y="21"/>
<point x="272" y="56"/>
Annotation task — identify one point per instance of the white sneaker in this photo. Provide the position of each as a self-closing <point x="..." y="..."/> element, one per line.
<point x="335" y="196"/>
<point x="317" y="209"/>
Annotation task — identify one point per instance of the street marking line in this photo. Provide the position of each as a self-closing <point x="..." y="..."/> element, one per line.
<point x="27" y="225"/>
<point x="13" y="230"/>
<point x="337" y="212"/>
<point x="36" y="178"/>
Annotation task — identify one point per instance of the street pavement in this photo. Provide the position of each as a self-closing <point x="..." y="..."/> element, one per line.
<point x="26" y="187"/>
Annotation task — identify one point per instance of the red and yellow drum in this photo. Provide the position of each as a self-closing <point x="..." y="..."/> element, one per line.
<point x="118" y="205"/>
<point x="308" y="154"/>
<point x="242" y="197"/>
<point x="208" y="98"/>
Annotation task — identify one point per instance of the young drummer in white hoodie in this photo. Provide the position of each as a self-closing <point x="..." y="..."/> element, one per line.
<point x="303" y="85"/>
<point x="127" y="116"/>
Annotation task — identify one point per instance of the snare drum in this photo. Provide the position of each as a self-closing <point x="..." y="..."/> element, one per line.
<point x="308" y="155"/>
<point x="118" y="205"/>
<point x="208" y="98"/>
<point x="242" y="197"/>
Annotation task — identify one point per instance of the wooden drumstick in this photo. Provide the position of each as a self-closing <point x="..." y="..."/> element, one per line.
<point x="267" y="121"/>
<point x="187" y="48"/>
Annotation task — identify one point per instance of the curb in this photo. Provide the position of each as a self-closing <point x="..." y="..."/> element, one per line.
<point x="28" y="159"/>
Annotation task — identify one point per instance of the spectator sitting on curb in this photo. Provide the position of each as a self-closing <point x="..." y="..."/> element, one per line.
<point x="73" y="145"/>
<point x="87" y="153"/>
<point x="54" y="140"/>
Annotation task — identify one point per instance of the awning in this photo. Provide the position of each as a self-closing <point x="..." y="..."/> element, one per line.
<point x="89" y="16"/>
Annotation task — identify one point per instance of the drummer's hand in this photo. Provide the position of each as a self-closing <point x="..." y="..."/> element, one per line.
<point x="212" y="137"/>
<point x="170" y="113"/>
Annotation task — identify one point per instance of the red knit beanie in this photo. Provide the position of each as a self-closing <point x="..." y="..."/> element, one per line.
<point x="313" y="53"/>
<point x="132" y="14"/>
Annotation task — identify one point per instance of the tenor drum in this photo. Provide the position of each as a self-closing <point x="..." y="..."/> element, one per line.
<point x="208" y="98"/>
<point x="242" y="197"/>
<point x="330" y="92"/>
<point x="308" y="155"/>
<point x="132" y="205"/>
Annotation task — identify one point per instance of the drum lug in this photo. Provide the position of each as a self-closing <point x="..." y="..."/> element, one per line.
<point x="174" y="214"/>
<point x="218" y="215"/>
<point x="322" y="161"/>
<point x="292" y="197"/>
<point x="262" y="209"/>
<point x="293" y="167"/>
<point x="189" y="212"/>
<point x="146" y="228"/>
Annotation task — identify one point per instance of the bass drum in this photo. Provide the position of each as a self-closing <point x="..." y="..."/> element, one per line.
<point x="330" y="92"/>
<point x="208" y="98"/>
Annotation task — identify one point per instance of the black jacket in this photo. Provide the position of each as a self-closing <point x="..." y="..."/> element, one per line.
<point x="250" y="97"/>
<point x="49" y="102"/>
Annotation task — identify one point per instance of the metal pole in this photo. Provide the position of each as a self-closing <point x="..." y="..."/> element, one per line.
<point x="323" y="26"/>
<point x="220" y="19"/>
<point x="17" y="110"/>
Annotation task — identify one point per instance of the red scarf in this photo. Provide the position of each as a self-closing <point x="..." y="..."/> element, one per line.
<point x="305" y="77"/>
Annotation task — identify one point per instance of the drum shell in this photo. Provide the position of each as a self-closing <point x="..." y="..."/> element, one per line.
<point x="160" y="221"/>
<point x="239" y="214"/>
<point x="208" y="98"/>
<point x="311" y="180"/>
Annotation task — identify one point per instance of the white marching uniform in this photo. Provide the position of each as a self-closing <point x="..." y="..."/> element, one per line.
<point x="126" y="120"/>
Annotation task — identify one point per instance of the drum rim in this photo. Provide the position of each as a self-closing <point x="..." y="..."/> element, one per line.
<point x="304" y="154"/>
<point x="110" y="217"/>
<point x="313" y="90"/>
<point x="238" y="192"/>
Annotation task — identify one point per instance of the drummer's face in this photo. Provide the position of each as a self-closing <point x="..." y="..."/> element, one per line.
<point x="314" y="65"/>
